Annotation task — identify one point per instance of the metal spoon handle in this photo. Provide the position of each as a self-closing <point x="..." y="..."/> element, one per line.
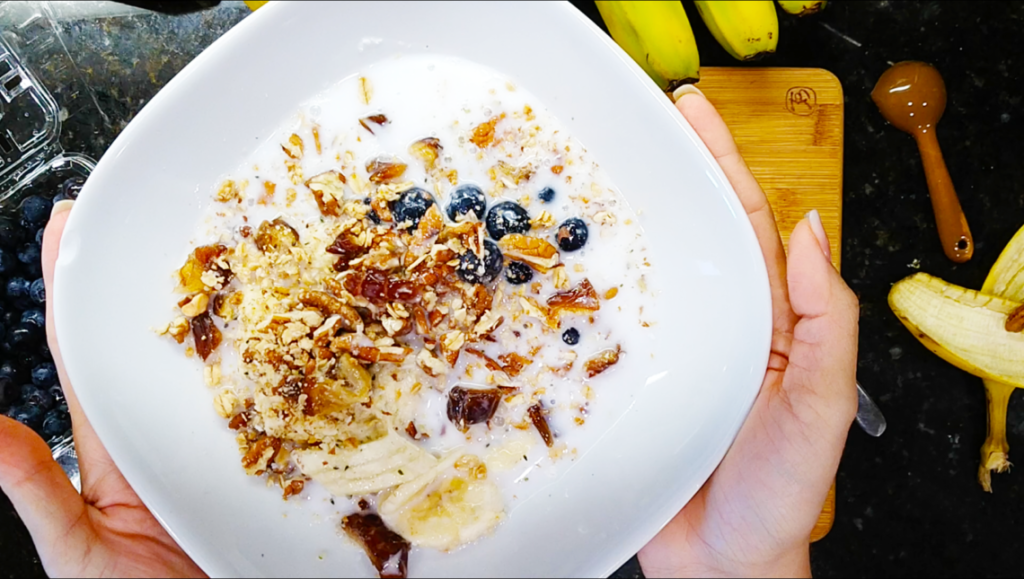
<point x="869" y="417"/>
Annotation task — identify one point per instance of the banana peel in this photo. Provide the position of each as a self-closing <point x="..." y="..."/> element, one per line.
<point x="967" y="329"/>
<point x="802" y="7"/>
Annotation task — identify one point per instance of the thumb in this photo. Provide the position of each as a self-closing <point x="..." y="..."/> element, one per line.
<point x="820" y="381"/>
<point x="38" y="488"/>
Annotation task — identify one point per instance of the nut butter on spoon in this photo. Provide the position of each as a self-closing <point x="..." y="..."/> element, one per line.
<point x="912" y="97"/>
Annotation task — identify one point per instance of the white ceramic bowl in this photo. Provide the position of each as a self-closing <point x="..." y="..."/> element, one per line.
<point x="128" y="234"/>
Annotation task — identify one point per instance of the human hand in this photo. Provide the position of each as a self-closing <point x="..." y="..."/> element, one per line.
<point x="755" y="514"/>
<point x="104" y="532"/>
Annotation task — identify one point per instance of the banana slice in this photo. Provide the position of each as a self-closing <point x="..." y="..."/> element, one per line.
<point x="369" y="468"/>
<point x="964" y="327"/>
<point x="446" y="507"/>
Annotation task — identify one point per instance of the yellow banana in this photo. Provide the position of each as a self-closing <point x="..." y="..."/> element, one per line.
<point x="747" y="29"/>
<point x="657" y="35"/>
<point x="802" y="7"/>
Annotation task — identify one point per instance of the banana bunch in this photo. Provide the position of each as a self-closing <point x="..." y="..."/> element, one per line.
<point x="977" y="331"/>
<point x="657" y="34"/>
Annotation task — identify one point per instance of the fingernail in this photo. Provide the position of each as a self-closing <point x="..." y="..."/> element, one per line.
<point x="814" y="218"/>
<point x="685" y="90"/>
<point x="61" y="206"/>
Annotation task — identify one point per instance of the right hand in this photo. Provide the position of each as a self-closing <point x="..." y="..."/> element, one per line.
<point x="104" y="532"/>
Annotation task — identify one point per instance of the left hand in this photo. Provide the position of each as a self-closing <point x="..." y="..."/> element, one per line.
<point x="754" y="515"/>
<point x="104" y="532"/>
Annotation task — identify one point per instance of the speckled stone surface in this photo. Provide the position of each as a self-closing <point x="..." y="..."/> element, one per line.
<point x="909" y="502"/>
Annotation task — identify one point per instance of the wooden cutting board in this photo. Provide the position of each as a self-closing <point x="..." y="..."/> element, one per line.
<point x="788" y="124"/>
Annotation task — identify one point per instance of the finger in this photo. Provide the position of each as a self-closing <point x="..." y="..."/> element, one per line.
<point x="94" y="462"/>
<point x="36" y="485"/>
<point x="710" y="127"/>
<point x="820" y="383"/>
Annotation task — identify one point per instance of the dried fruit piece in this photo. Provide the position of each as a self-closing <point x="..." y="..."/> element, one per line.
<point x="276" y="235"/>
<point x="379" y="120"/>
<point x="534" y="251"/>
<point x="349" y="384"/>
<point x="468" y="406"/>
<point x="346" y="247"/>
<point x="602" y="361"/>
<point x="206" y="335"/>
<point x="426" y="150"/>
<point x="329" y="190"/>
<point x="582" y="298"/>
<point x="483" y="134"/>
<point x="384" y="169"/>
<point x="540" y="422"/>
<point x="387" y="550"/>
<point x="205" y="262"/>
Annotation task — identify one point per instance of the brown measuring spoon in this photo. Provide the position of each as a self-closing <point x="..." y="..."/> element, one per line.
<point x="912" y="97"/>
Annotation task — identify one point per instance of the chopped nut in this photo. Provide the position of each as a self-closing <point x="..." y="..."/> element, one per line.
<point x="426" y="150"/>
<point x="225" y="403"/>
<point x="178" y="329"/>
<point x="543" y="220"/>
<point x="557" y="169"/>
<point x="384" y="169"/>
<point x="228" y="191"/>
<point x="203" y="259"/>
<point x="293" y="488"/>
<point x="329" y="190"/>
<point x="602" y="361"/>
<point x="512" y="363"/>
<point x="580" y="299"/>
<point x="196" y="305"/>
<point x="483" y="134"/>
<point x="535" y="251"/>
<point x="293" y="148"/>
<point x="431" y="365"/>
<point x="260" y="454"/>
<point x="276" y="235"/>
<point x="488" y="323"/>
<point x="379" y="120"/>
<point x="560" y="278"/>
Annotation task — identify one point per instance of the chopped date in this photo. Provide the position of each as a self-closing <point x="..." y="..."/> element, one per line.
<point x="239" y="421"/>
<point x="346" y="246"/>
<point x="387" y="550"/>
<point x="206" y="335"/>
<point x="201" y="260"/>
<point x="468" y="406"/>
<point x="539" y="421"/>
<point x="602" y="361"/>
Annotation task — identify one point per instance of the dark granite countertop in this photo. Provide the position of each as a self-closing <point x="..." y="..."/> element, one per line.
<point x="908" y="503"/>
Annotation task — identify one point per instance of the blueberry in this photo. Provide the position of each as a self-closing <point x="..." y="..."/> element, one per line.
<point x="507" y="217"/>
<point x="11" y="235"/>
<point x="411" y="206"/>
<point x="546" y="194"/>
<point x="472" y="271"/>
<point x="9" y="371"/>
<point x="518" y="273"/>
<point x="44" y="375"/>
<point x="25" y="336"/>
<point x="35" y="317"/>
<point x="39" y="235"/>
<point x="18" y="287"/>
<point x="8" y="393"/>
<point x="571" y="336"/>
<point x="55" y="423"/>
<point x="467" y="199"/>
<point x="70" y="188"/>
<point x="572" y="234"/>
<point x="33" y="396"/>
<point x="31" y="416"/>
<point x="57" y="392"/>
<point x="37" y="291"/>
<point x="7" y="261"/>
<point x="31" y="256"/>
<point x="36" y="209"/>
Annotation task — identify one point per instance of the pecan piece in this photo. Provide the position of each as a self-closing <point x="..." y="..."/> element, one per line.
<point x="384" y="169"/>
<point x="602" y="361"/>
<point x="328" y="189"/>
<point x="535" y="251"/>
<point x="261" y="454"/>
<point x="379" y="120"/>
<point x="332" y="306"/>
<point x="426" y="150"/>
<point x="582" y="298"/>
